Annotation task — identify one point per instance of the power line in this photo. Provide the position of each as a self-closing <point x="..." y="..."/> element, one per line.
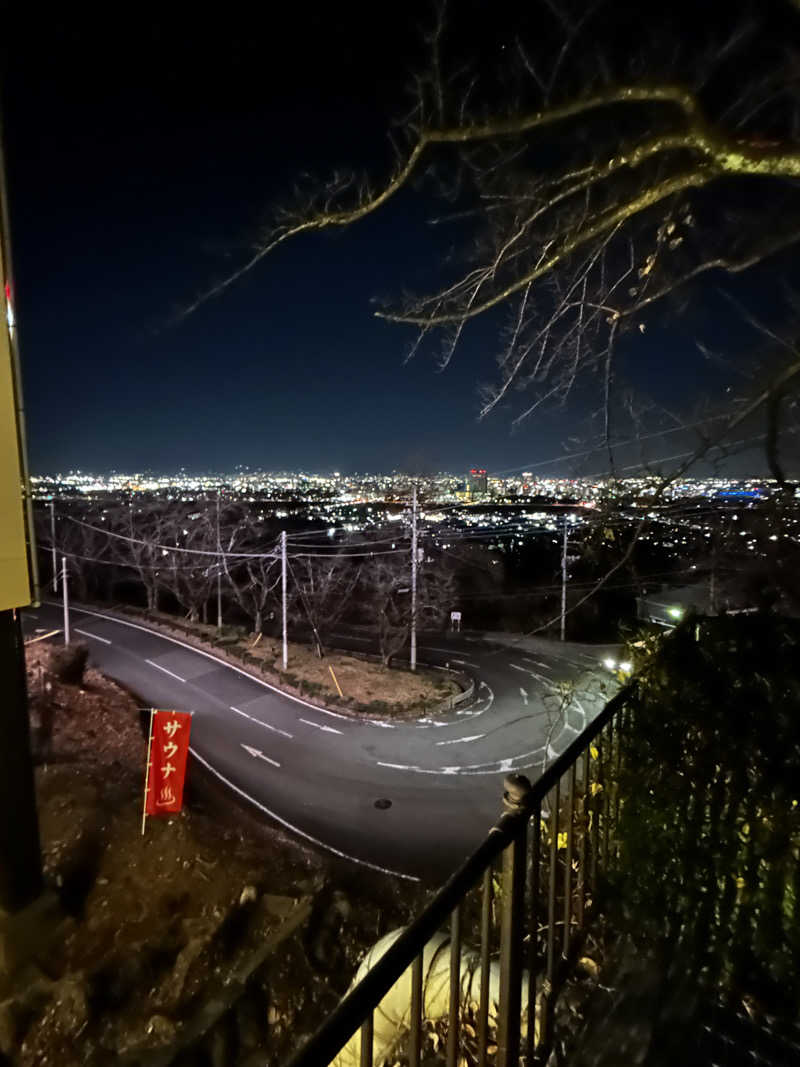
<point x="347" y="555"/>
<point x="171" y="548"/>
<point x="601" y="445"/>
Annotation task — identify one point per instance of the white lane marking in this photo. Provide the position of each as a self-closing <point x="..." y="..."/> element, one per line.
<point x="296" y="829"/>
<point x="164" y="669"/>
<point x="461" y="740"/>
<point x="256" y="753"/>
<point x="431" y="648"/>
<point x="465" y="663"/>
<point x="379" y="722"/>
<point x="539" y="677"/>
<point x="420" y="770"/>
<point x="319" y="726"/>
<point x="524" y="696"/>
<point x="266" y="725"/>
<point x="96" y="637"/>
<point x="538" y="663"/>
<point x="208" y="655"/>
<point x="475" y="769"/>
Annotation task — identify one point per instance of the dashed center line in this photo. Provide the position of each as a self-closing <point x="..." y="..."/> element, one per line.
<point x="164" y="669"/>
<point x="266" y="725"/>
<point x="95" y="637"/>
<point x="319" y="726"/>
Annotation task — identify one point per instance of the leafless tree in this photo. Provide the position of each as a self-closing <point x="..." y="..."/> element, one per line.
<point x="137" y="529"/>
<point x="322" y="590"/>
<point x="188" y="575"/>
<point x="385" y="595"/>
<point x="601" y="166"/>
<point x="79" y="542"/>
<point x="253" y="578"/>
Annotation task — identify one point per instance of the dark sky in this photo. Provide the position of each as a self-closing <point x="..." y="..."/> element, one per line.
<point x="142" y="155"/>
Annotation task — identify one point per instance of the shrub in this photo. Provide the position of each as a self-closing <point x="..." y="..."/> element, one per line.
<point x="710" y="823"/>
<point x="68" y="664"/>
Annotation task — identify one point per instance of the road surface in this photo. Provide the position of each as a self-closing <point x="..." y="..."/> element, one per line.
<point x="326" y="776"/>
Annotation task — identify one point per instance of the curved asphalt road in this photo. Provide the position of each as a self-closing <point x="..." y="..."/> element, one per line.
<point x="319" y="773"/>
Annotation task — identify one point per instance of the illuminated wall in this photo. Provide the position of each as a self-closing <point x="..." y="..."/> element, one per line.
<point x="14" y="582"/>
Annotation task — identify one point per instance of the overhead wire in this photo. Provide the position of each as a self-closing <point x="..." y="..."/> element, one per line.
<point x="599" y="447"/>
<point x="170" y="548"/>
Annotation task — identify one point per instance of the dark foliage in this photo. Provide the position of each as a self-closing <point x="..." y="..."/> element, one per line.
<point x="68" y="664"/>
<point x="710" y="823"/>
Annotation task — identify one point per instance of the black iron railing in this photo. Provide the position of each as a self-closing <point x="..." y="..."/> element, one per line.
<point x="553" y="844"/>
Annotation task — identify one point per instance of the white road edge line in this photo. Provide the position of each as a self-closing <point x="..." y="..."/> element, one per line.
<point x="319" y="726"/>
<point x="295" y="829"/>
<point x="461" y="740"/>
<point x="164" y="669"/>
<point x="266" y="725"/>
<point x="208" y="655"/>
<point x="95" y="637"/>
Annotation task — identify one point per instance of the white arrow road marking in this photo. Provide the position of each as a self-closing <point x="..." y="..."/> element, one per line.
<point x="164" y="669"/>
<point x="538" y="663"/>
<point x="539" y="677"/>
<point x="319" y="726"/>
<point x="95" y="637"/>
<point x="524" y="696"/>
<point x="461" y="740"/>
<point x="256" y="753"/>
<point x="266" y="725"/>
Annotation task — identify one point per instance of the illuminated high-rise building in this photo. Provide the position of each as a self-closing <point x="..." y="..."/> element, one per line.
<point x="477" y="482"/>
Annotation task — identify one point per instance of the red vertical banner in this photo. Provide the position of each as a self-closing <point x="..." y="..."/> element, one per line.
<point x="166" y="762"/>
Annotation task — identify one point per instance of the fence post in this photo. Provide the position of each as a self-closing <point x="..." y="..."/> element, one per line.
<point x="516" y="801"/>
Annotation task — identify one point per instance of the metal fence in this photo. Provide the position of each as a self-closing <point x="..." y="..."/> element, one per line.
<point x="524" y="896"/>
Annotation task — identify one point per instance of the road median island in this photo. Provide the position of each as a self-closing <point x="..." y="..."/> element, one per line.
<point x="368" y="689"/>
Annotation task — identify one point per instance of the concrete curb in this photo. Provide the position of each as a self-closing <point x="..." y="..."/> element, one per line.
<point x="128" y="614"/>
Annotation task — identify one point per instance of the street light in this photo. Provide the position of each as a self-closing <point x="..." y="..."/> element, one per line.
<point x="676" y="613"/>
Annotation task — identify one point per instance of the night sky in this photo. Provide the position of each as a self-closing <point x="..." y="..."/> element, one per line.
<point x="142" y="158"/>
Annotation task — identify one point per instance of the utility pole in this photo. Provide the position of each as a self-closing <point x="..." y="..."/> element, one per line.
<point x="66" y="598"/>
<point x="283" y="599"/>
<point x="414" y="582"/>
<point x="53" y="543"/>
<point x="219" y="573"/>
<point x="564" y="581"/>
